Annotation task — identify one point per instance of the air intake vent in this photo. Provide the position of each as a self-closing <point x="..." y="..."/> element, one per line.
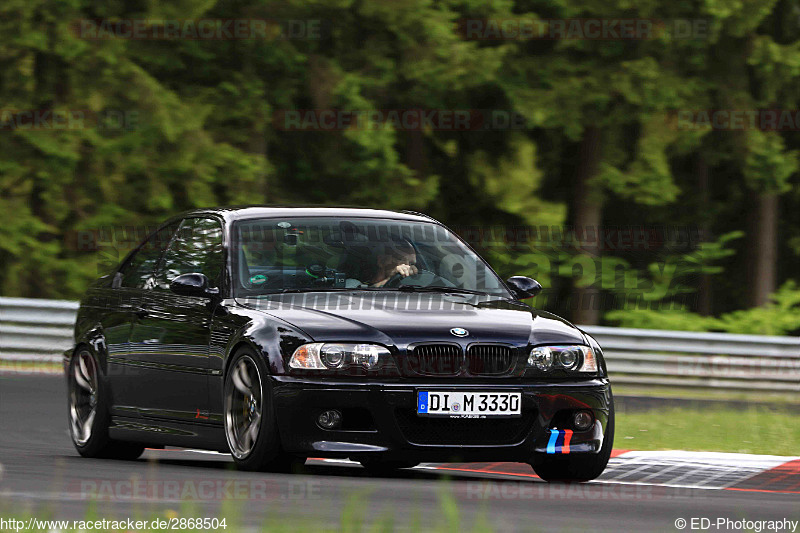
<point x="490" y="360"/>
<point x="436" y="359"/>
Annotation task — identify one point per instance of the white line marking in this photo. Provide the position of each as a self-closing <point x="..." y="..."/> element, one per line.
<point x="660" y="472"/>
<point x="635" y="470"/>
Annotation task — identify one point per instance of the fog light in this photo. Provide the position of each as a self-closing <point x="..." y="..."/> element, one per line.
<point x="582" y="420"/>
<point x="331" y="419"/>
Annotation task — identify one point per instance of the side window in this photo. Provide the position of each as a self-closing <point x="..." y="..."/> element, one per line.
<point x="197" y="247"/>
<point x="138" y="271"/>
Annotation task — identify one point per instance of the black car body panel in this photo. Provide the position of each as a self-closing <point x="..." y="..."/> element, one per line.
<point x="393" y="429"/>
<point x="165" y="357"/>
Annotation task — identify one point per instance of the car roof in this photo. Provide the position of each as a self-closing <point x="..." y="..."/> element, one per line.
<point x="232" y="213"/>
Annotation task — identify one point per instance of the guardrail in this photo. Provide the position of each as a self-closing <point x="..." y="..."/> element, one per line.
<point x="653" y="357"/>
<point x="33" y="329"/>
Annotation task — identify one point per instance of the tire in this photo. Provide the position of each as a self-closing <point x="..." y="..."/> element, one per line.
<point x="88" y="413"/>
<point x="583" y="467"/>
<point x="251" y="428"/>
<point x="378" y="467"/>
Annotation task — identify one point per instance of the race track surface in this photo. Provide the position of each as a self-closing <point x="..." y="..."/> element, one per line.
<point x="41" y="474"/>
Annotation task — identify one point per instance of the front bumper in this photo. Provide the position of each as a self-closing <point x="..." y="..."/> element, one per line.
<point x="380" y="421"/>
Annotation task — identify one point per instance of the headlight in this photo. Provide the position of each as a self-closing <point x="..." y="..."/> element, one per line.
<point x="541" y="358"/>
<point x="324" y="356"/>
<point x="575" y="358"/>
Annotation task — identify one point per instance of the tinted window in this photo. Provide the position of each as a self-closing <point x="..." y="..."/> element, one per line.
<point x="138" y="271"/>
<point x="197" y="247"/>
<point x="271" y="255"/>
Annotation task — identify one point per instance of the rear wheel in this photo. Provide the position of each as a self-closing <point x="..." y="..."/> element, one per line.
<point x="250" y="425"/>
<point x="578" y="467"/>
<point x="89" y="416"/>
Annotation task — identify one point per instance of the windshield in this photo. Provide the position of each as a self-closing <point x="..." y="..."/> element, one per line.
<point x="304" y="254"/>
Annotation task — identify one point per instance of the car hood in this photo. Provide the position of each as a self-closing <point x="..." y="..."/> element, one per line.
<point x="396" y="318"/>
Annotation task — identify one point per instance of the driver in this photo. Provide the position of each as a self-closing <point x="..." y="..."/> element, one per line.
<point x="397" y="258"/>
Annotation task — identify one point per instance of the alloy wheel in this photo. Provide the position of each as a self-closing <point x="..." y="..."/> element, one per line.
<point x="243" y="406"/>
<point x="83" y="397"/>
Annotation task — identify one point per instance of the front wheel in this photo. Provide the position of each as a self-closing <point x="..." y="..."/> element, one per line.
<point x="578" y="467"/>
<point x="249" y="417"/>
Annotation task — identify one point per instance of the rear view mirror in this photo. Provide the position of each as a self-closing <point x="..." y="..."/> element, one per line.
<point x="524" y="287"/>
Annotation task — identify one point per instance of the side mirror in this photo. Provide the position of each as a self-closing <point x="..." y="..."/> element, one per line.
<point x="524" y="287"/>
<point x="193" y="284"/>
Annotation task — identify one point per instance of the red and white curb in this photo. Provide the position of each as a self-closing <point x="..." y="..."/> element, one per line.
<point x="675" y="468"/>
<point x="700" y="470"/>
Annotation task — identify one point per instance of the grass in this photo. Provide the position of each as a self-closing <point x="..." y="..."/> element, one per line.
<point x="30" y="367"/>
<point x="756" y="430"/>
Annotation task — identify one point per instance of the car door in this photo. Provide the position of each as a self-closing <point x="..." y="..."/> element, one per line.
<point x="123" y="301"/>
<point x="170" y="338"/>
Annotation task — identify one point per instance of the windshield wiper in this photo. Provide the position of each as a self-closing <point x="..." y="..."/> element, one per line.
<point x="402" y="288"/>
<point x="311" y="289"/>
<point x="434" y="288"/>
<point x="327" y="289"/>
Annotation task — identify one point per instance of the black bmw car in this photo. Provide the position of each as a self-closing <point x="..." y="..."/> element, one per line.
<point x="278" y="334"/>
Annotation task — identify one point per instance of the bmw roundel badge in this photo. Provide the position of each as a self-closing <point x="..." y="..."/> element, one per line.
<point x="459" y="332"/>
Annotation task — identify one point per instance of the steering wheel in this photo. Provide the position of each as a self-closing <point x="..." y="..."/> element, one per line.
<point x="423" y="278"/>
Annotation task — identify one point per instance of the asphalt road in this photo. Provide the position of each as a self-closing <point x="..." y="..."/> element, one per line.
<point x="42" y="475"/>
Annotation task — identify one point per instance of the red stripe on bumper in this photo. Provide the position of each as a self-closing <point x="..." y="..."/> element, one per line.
<point x="567" y="438"/>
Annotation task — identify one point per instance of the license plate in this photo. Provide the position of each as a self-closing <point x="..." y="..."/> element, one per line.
<point x="468" y="404"/>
